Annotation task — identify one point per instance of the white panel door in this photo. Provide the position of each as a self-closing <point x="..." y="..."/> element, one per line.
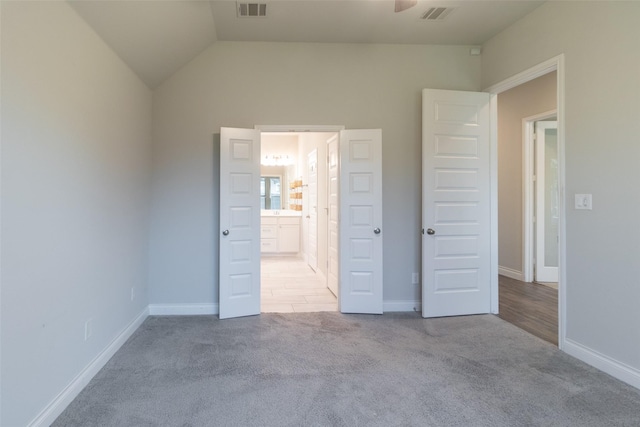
<point x="361" y="221"/>
<point x="312" y="168"/>
<point x="333" y="193"/>
<point x="456" y="211"/>
<point x="546" y="201"/>
<point x="239" y="222"/>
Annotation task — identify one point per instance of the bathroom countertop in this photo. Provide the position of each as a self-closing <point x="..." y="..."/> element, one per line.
<point x="282" y="212"/>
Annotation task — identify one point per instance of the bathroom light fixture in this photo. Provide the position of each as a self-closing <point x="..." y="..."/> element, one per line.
<point x="276" y="160"/>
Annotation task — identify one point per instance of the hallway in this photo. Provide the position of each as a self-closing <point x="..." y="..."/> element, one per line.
<point x="530" y="306"/>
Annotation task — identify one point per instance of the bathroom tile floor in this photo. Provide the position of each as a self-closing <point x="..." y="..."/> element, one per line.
<point x="289" y="285"/>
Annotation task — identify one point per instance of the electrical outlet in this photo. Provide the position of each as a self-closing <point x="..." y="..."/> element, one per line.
<point x="88" y="329"/>
<point x="133" y="293"/>
<point x="415" y="278"/>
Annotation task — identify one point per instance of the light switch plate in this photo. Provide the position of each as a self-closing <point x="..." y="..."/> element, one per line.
<point x="584" y="201"/>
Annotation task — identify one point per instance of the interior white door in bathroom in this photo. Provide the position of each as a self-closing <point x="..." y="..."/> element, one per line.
<point x="312" y="212"/>
<point x="456" y="203"/>
<point x="239" y="271"/>
<point x="360" y="221"/>
<point x="333" y="215"/>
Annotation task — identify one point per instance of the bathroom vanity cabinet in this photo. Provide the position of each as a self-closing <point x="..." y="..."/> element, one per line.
<point x="279" y="234"/>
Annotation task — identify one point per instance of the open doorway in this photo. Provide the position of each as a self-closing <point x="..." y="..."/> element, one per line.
<point x="541" y="210"/>
<point x="545" y="242"/>
<point x="295" y="223"/>
<point x="357" y="160"/>
<point x="528" y="206"/>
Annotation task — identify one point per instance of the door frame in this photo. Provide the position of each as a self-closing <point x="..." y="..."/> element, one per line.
<point x="306" y="129"/>
<point x="557" y="64"/>
<point x="528" y="190"/>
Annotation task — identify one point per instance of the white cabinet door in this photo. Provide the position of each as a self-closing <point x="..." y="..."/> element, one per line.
<point x="289" y="236"/>
<point x="361" y="221"/>
<point x="456" y="246"/>
<point x="239" y="271"/>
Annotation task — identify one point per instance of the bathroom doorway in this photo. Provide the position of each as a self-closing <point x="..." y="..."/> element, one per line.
<point x="294" y="223"/>
<point x="356" y="155"/>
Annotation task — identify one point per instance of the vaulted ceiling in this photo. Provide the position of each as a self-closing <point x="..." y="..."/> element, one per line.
<point x="157" y="37"/>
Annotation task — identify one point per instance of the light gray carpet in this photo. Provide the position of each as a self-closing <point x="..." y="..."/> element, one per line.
<point x="330" y="369"/>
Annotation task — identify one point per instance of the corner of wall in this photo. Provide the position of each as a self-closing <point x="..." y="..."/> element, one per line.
<point x="53" y="410"/>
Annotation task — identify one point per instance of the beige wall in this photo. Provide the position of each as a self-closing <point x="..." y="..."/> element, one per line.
<point x="244" y="84"/>
<point x="76" y="148"/>
<point x="602" y="123"/>
<point x="534" y="97"/>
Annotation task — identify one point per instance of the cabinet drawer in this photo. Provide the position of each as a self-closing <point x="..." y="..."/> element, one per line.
<point x="268" y="231"/>
<point x="268" y="220"/>
<point x="289" y="220"/>
<point x="268" y="245"/>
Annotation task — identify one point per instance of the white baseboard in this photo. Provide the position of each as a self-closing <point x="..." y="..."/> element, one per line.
<point x="182" y="309"/>
<point x="53" y="410"/>
<point x="199" y="309"/>
<point x="391" y="306"/>
<point x="511" y="273"/>
<point x="616" y="369"/>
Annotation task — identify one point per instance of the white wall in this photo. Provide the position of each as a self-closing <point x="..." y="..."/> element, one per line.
<point x="76" y="129"/>
<point x="243" y="84"/>
<point x="602" y="124"/>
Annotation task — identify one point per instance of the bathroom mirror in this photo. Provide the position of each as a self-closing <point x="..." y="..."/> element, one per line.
<point x="278" y="168"/>
<point x="271" y="193"/>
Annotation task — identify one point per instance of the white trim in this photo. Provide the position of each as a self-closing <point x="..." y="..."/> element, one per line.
<point x="554" y="64"/>
<point x="299" y="128"/>
<point x="615" y="368"/>
<point x="1" y="186"/>
<point x="406" y="305"/>
<point x="493" y="195"/>
<point x="511" y="273"/>
<point x="528" y="195"/>
<point x="53" y="410"/>
<point x="534" y="72"/>
<point x="562" y="226"/>
<point x="182" y="309"/>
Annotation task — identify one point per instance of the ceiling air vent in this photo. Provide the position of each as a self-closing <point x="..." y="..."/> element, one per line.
<point x="252" y="10"/>
<point x="436" y="13"/>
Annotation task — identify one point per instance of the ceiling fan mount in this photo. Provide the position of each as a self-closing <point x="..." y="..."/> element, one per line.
<point x="404" y="5"/>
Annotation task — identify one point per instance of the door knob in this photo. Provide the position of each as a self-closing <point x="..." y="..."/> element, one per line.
<point x="225" y="233"/>
<point x="431" y="231"/>
<point x="376" y="230"/>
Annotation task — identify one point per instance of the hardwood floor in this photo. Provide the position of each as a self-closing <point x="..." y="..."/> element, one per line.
<point x="530" y="306"/>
